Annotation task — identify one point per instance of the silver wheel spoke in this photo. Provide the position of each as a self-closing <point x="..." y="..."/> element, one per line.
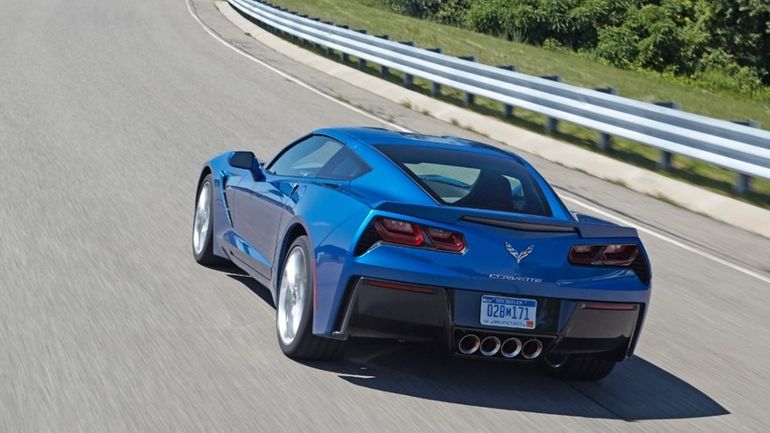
<point x="201" y="225"/>
<point x="291" y="298"/>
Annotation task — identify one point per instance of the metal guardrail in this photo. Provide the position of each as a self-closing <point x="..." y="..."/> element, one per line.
<point x="740" y="148"/>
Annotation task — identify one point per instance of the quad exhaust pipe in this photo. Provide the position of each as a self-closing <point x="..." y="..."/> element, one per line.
<point x="532" y="349"/>
<point x="469" y="344"/>
<point x="511" y="348"/>
<point x="490" y="346"/>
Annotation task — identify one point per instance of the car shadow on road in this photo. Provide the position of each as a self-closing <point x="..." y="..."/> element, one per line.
<point x="239" y="275"/>
<point x="636" y="390"/>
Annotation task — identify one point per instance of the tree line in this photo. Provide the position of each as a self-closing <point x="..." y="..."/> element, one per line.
<point x="721" y="43"/>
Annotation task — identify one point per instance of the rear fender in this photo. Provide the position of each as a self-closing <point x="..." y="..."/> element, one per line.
<point x="331" y="219"/>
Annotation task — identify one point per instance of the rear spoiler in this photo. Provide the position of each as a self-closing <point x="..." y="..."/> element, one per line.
<point x="584" y="225"/>
<point x="592" y="227"/>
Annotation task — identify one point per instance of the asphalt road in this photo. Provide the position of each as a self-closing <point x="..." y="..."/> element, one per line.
<point x="107" y="110"/>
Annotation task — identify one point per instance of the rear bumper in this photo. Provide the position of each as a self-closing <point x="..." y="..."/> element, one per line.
<point x="388" y="309"/>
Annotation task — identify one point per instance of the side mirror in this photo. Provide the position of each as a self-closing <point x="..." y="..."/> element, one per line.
<point x="242" y="159"/>
<point x="247" y="161"/>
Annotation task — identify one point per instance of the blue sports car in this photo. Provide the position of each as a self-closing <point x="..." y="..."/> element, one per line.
<point x="366" y="232"/>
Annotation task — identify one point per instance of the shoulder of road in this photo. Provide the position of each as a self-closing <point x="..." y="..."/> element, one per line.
<point x="716" y="206"/>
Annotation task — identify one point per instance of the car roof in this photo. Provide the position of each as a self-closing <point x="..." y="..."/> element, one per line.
<point x="372" y="136"/>
<point x="400" y="186"/>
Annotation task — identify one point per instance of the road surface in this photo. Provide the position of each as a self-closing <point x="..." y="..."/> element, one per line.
<point x="108" y="109"/>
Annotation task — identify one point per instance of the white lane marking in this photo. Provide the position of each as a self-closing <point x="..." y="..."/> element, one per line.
<point x="595" y="209"/>
<point x="664" y="238"/>
<point x="287" y="76"/>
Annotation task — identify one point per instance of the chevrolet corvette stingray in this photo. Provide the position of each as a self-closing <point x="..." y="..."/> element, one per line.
<point x="366" y="232"/>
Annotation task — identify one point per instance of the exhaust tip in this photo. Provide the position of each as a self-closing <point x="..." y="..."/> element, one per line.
<point x="490" y="346"/>
<point x="511" y="347"/>
<point x="555" y="360"/>
<point x="468" y="344"/>
<point x="532" y="349"/>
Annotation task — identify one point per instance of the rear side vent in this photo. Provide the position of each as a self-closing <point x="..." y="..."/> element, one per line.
<point x="368" y="239"/>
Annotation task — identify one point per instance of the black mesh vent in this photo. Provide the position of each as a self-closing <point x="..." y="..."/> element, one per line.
<point x="641" y="268"/>
<point x="368" y="239"/>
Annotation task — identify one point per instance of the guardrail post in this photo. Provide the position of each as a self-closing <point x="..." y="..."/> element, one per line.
<point x="344" y="57"/>
<point x="316" y="45"/>
<point x="605" y="140"/>
<point x="328" y="50"/>
<point x="469" y="98"/>
<point x="302" y="40"/>
<point x="666" y="158"/>
<point x="551" y="123"/>
<point x="361" y="62"/>
<point x="384" y="70"/>
<point x="508" y="108"/>
<point x="435" y="88"/>
<point x="408" y="78"/>
<point x="743" y="182"/>
<point x="299" y="39"/>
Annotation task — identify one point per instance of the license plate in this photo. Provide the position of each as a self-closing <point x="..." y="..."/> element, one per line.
<point x="508" y="312"/>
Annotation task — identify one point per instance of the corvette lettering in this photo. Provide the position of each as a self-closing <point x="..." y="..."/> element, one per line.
<point x="515" y="278"/>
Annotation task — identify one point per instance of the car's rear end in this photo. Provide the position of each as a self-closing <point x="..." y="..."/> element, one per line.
<point x="574" y="292"/>
<point x="498" y="268"/>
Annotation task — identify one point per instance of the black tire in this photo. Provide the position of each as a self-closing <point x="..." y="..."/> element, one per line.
<point x="206" y="256"/>
<point x="583" y="368"/>
<point x="305" y="345"/>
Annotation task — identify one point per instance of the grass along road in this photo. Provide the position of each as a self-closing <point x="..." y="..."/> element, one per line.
<point x="573" y="68"/>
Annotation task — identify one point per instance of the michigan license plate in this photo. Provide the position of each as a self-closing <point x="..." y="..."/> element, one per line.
<point x="508" y="312"/>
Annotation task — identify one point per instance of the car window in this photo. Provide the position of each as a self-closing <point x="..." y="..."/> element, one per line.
<point x="451" y="183"/>
<point x="473" y="180"/>
<point x="318" y="156"/>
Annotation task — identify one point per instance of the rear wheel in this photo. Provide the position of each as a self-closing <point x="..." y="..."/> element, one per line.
<point x="581" y="367"/>
<point x="294" y="315"/>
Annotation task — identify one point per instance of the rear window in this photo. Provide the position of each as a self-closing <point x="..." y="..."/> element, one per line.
<point x="459" y="178"/>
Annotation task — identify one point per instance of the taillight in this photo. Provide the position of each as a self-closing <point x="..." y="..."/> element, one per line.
<point x="619" y="255"/>
<point x="603" y="255"/>
<point x="446" y="240"/>
<point x="584" y="254"/>
<point x="406" y="233"/>
<point x="399" y="232"/>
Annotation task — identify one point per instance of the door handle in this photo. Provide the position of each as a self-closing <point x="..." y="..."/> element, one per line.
<point x="294" y="187"/>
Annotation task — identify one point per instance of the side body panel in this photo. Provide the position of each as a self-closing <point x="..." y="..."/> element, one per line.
<point x="257" y="209"/>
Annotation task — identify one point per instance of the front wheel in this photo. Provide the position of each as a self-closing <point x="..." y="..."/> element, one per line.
<point x="581" y="367"/>
<point x="294" y="315"/>
<point x="203" y="226"/>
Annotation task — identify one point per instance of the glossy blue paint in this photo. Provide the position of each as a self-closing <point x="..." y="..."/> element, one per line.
<point x="334" y="214"/>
